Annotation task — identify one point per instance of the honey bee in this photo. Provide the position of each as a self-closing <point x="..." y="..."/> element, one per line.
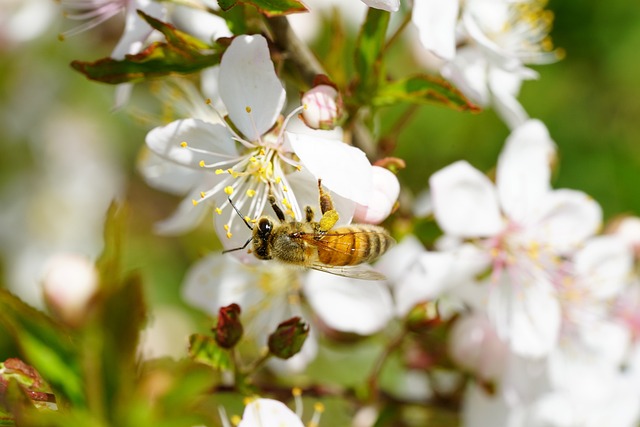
<point x="344" y="251"/>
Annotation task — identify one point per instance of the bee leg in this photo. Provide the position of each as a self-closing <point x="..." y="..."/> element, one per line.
<point x="329" y="215"/>
<point x="276" y="208"/>
<point x="308" y="213"/>
<point x="326" y="204"/>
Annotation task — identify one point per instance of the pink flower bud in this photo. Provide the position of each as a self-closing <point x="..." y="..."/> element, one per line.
<point x="323" y="107"/>
<point x="69" y="283"/>
<point x="386" y="190"/>
<point x="475" y="346"/>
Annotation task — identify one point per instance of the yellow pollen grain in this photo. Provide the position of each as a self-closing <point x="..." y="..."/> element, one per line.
<point x="248" y="109"/>
<point x="219" y="211"/>
<point x="201" y="163"/>
<point x="296" y="391"/>
<point x="219" y="171"/>
<point x="194" y="201"/>
<point x="183" y="144"/>
<point x="251" y="193"/>
<point x="228" y="189"/>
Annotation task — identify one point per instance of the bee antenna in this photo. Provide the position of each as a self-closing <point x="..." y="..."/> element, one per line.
<point x="243" y="220"/>
<point x="239" y="248"/>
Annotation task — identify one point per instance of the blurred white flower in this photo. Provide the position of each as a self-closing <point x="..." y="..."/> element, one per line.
<point x="524" y="226"/>
<point x="266" y="159"/>
<point x="486" y="44"/>
<point x="269" y="293"/>
<point x="24" y="20"/>
<point x="269" y="413"/>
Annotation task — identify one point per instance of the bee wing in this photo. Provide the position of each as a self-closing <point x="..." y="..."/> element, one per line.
<point x="360" y="271"/>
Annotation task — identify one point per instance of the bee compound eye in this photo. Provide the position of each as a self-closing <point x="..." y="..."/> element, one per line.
<point x="264" y="226"/>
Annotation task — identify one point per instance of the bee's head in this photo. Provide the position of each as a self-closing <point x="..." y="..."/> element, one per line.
<point x="261" y="238"/>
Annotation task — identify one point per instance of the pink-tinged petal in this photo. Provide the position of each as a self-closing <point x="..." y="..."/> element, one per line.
<point x="136" y="30"/>
<point x="249" y="86"/>
<point x="524" y="170"/>
<point x="343" y="169"/>
<point x="527" y="316"/>
<point x="475" y="346"/>
<point x="388" y="5"/>
<point x="436" y="23"/>
<point x="628" y="229"/>
<point x="269" y="413"/>
<point x="185" y="218"/>
<point x="603" y="265"/>
<point x="167" y="176"/>
<point x="166" y="141"/>
<point x="386" y="190"/>
<point x="565" y="219"/>
<point x="349" y="305"/>
<point x="465" y="202"/>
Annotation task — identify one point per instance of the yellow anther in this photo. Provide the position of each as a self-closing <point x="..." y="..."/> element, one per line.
<point x="293" y="299"/>
<point x="61" y="37"/>
<point x="286" y="203"/>
<point x="262" y="152"/>
<point x="284" y="188"/>
<point x="252" y="159"/>
<point x="202" y="194"/>
<point x="278" y="179"/>
<point x="219" y="171"/>
<point x="218" y="211"/>
<point x="235" y="420"/>
<point x="183" y="144"/>
<point x="248" y="109"/>
<point x="318" y="407"/>
<point x="207" y="101"/>
<point x="228" y="189"/>
<point x="226" y="227"/>
<point x="299" y="168"/>
<point x="251" y="193"/>
<point x="229" y="234"/>
<point x="202" y="164"/>
<point x="194" y="201"/>
<point x="247" y="218"/>
<point x="494" y="252"/>
<point x="248" y="400"/>
<point x="304" y="106"/>
<point x="296" y="391"/>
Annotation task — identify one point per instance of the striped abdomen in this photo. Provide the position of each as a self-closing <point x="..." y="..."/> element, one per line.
<point x="354" y="244"/>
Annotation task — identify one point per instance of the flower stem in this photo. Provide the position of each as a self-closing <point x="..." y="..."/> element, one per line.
<point x="374" y="375"/>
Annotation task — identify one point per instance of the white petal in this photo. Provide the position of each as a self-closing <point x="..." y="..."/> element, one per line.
<point x="481" y="409"/>
<point x="248" y="80"/>
<point x="628" y="229"/>
<point x="469" y="72"/>
<point x="386" y="190"/>
<point x="565" y="219"/>
<point x="388" y="5"/>
<point x="199" y="23"/>
<point x="166" y="142"/>
<point x="269" y="413"/>
<point x="423" y="205"/>
<point x="505" y="86"/>
<point x="524" y="170"/>
<point x="465" y="202"/>
<point x="136" y="29"/>
<point x="185" y="218"/>
<point x="396" y="261"/>
<point x="436" y="24"/>
<point x="527" y="317"/>
<point x="349" y="305"/>
<point x="604" y="264"/>
<point x="216" y="281"/>
<point x="165" y="175"/>
<point x="343" y="169"/>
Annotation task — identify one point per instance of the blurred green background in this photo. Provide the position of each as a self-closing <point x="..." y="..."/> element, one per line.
<point x="589" y="102"/>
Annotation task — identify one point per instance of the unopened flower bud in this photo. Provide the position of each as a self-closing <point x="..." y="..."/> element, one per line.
<point x="229" y="330"/>
<point x="422" y="317"/>
<point x="69" y="283"/>
<point x="288" y="338"/>
<point x="322" y="107"/>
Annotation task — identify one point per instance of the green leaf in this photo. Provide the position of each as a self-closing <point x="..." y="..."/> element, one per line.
<point x="45" y="345"/>
<point x="204" y="349"/>
<point x="423" y="89"/>
<point x="181" y="54"/>
<point x="268" y="7"/>
<point x="369" y="48"/>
